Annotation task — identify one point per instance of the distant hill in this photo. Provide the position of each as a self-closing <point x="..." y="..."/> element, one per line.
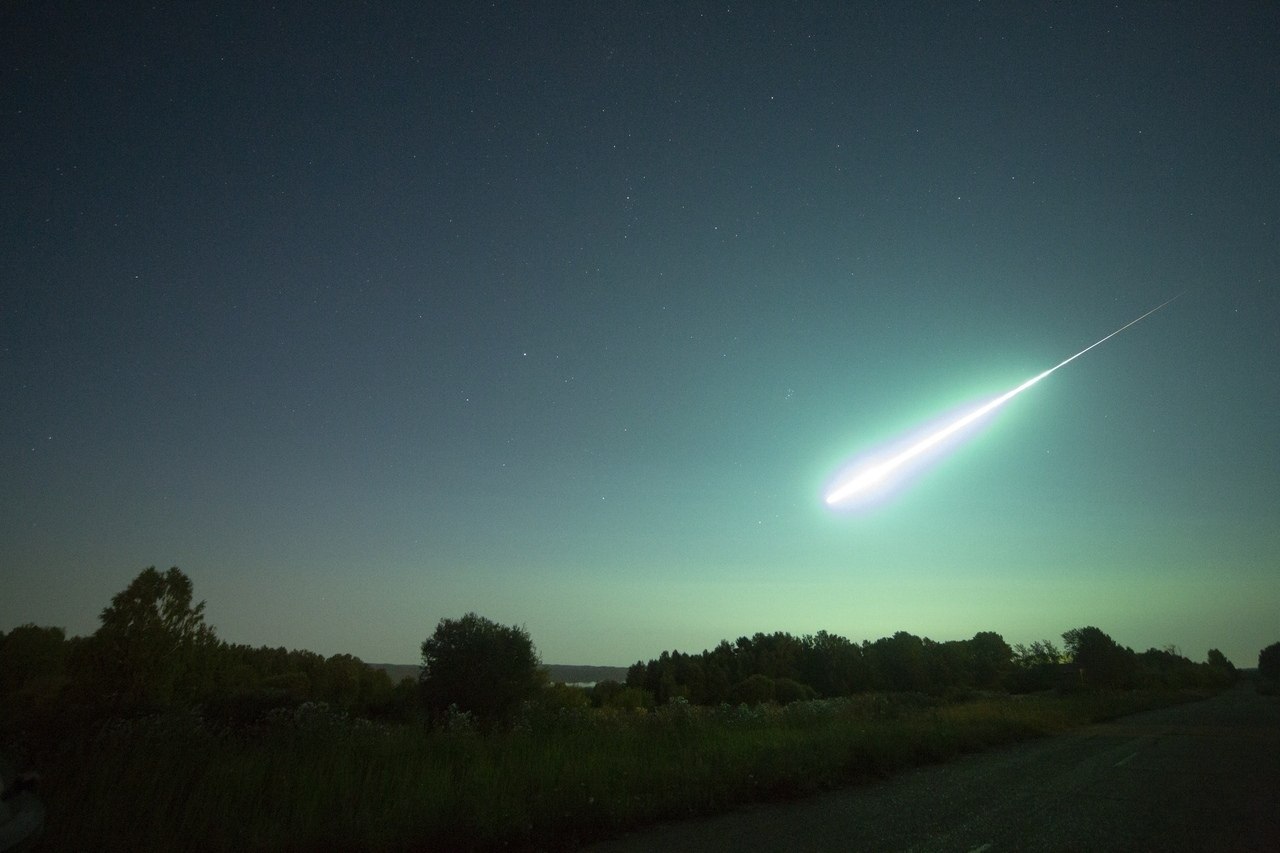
<point x="398" y="672"/>
<point x="568" y="673"/>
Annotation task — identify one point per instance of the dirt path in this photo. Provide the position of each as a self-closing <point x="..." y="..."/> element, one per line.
<point x="1202" y="776"/>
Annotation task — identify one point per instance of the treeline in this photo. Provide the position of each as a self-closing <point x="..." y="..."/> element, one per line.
<point x="783" y="668"/>
<point x="153" y="652"/>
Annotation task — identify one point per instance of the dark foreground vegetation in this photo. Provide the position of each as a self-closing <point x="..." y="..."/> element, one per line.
<point x="1269" y="670"/>
<point x="152" y="734"/>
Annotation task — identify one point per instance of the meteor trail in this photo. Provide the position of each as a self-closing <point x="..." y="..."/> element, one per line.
<point x="877" y="473"/>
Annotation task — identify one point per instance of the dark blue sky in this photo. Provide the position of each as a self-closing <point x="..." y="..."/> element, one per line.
<point x="374" y="314"/>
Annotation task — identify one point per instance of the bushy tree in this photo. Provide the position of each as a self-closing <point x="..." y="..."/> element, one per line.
<point x="631" y="699"/>
<point x="753" y="690"/>
<point x="560" y="698"/>
<point x="30" y="653"/>
<point x="786" y="691"/>
<point x="342" y="680"/>
<point x="833" y="665"/>
<point x="1041" y="653"/>
<point x="1102" y="661"/>
<point x="1035" y="667"/>
<point x="33" y="663"/>
<point x="947" y="666"/>
<point x="1269" y="662"/>
<point x="480" y="666"/>
<point x="611" y="694"/>
<point x="990" y="659"/>
<point x="1222" y="671"/>
<point x="1218" y="660"/>
<point x="602" y="692"/>
<point x="899" y="662"/>
<point x="1167" y="667"/>
<point x="152" y="647"/>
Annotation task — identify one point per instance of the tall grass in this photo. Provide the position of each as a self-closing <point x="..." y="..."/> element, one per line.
<point x="325" y="784"/>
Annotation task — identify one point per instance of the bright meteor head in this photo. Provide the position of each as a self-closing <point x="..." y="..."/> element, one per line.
<point x="863" y="480"/>
<point x="867" y="478"/>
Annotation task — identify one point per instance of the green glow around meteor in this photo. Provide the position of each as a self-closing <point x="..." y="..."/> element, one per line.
<point x="876" y="474"/>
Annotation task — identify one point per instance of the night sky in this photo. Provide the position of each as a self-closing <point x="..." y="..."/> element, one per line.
<point x="366" y="315"/>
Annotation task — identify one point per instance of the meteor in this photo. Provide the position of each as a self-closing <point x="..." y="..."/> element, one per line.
<point x="876" y="474"/>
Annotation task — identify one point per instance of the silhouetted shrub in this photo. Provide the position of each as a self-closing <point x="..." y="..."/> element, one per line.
<point x="630" y="699"/>
<point x="1101" y="660"/>
<point x="786" y="691"/>
<point x="753" y="690"/>
<point x="482" y="667"/>
<point x="1269" y="665"/>
<point x="603" y="691"/>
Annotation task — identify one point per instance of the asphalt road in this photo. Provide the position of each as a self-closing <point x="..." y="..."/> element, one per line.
<point x="1201" y="776"/>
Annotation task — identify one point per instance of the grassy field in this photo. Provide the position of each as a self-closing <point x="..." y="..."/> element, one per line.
<point x="315" y="781"/>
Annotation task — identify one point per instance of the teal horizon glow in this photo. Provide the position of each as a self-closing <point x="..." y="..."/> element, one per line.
<point x="876" y="474"/>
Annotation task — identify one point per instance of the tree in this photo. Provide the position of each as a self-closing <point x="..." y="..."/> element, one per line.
<point x="786" y="691"/>
<point x="947" y="666"/>
<point x="1221" y="670"/>
<point x="1218" y="660"/>
<point x="1103" y="662"/>
<point x="1269" y="662"/>
<point x="991" y="659"/>
<point x="1041" y="653"/>
<point x="342" y="675"/>
<point x="152" y="647"/>
<point x="604" y="692"/>
<point x="833" y="665"/>
<point x="376" y="689"/>
<point x="1166" y="668"/>
<point x="31" y="653"/>
<point x="753" y="690"/>
<point x="1035" y="667"/>
<point x="33" y="662"/>
<point x="481" y="667"/>
<point x="898" y="662"/>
